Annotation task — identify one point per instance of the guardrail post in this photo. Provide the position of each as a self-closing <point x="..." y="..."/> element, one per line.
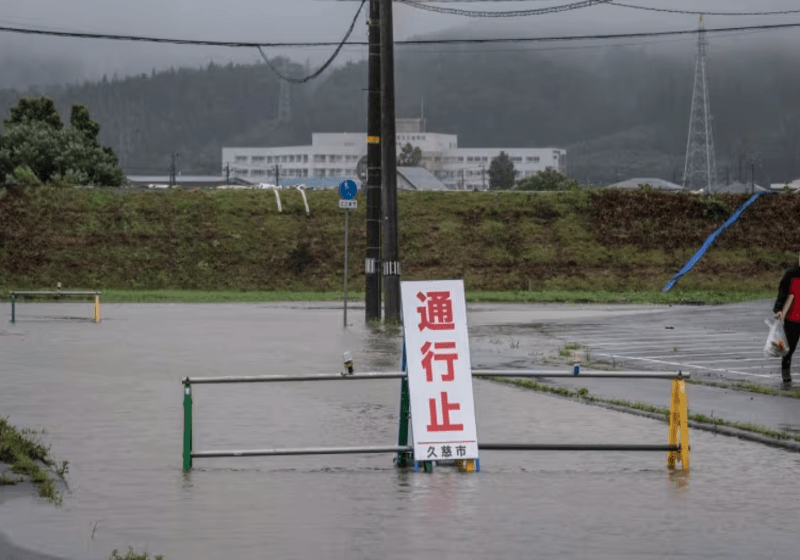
<point x="13" y="304"/>
<point x="187" y="425"/>
<point x="403" y="458"/>
<point x="96" y="308"/>
<point x="678" y="420"/>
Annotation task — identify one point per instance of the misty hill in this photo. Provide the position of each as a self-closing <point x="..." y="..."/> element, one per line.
<point x="620" y="112"/>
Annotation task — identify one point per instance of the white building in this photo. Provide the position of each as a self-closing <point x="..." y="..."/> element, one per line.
<point x="338" y="154"/>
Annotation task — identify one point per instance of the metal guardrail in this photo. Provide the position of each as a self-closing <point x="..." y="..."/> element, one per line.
<point x="57" y="294"/>
<point x="409" y="449"/>
<point x="678" y="416"/>
<point x="402" y="374"/>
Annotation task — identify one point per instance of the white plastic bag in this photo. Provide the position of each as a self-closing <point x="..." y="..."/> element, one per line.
<point x="776" y="346"/>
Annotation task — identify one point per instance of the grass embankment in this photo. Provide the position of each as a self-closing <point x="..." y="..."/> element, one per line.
<point x="677" y="296"/>
<point x="605" y="245"/>
<point x="24" y="452"/>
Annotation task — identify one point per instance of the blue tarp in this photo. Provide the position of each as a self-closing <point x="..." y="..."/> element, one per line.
<point x="699" y="254"/>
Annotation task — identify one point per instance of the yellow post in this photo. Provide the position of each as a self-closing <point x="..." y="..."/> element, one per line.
<point x="678" y="419"/>
<point x="96" y="309"/>
<point x="465" y="465"/>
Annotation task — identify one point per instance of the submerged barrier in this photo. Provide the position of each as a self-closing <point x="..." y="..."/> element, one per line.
<point x="677" y="447"/>
<point x="56" y="294"/>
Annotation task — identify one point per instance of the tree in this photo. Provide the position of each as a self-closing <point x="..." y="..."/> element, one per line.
<point x="35" y="109"/>
<point x="501" y="172"/>
<point x="410" y="156"/>
<point x="36" y="147"/>
<point x="79" y="120"/>
<point x="547" y="180"/>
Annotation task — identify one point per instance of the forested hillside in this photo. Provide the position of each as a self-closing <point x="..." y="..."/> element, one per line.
<point x="620" y="112"/>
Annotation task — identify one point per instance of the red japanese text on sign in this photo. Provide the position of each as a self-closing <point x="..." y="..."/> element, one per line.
<point x="437" y="313"/>
<point x="445" y="426"/>
<point x="429" y="356"/>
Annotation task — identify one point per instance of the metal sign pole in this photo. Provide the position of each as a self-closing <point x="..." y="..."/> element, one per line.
<point x="347" y="194"/>
<point x="346" y="224"/>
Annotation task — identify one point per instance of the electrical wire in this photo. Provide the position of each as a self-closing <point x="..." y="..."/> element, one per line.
<point x="691" y="12"/>
<point x="240" y="44"/>
<point x="324" y="66"/>
<point x="514" y="13"/>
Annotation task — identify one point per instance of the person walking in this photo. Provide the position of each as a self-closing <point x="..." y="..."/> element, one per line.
<point x="785" y="308"/>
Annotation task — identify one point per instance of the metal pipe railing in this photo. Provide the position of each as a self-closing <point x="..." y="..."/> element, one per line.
<point x="56" y="293"/>
<point x="402" y="374"/>
<point x="408" y="449"/>
<point x="678" y="416"/>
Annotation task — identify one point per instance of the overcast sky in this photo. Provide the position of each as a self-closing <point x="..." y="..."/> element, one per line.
<point x="29" y="59"/>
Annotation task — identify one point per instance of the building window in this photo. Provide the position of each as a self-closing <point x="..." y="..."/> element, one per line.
<point x="257" y="172"/>
<point x="258" y="159"/>
<point x="240" y="159"/>
<point x="319" y="158"/>
<point x="305" y="158"/>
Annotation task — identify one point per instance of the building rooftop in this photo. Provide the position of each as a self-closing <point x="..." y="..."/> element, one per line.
<point x="420" y="179"/>
<point x="658" y="184"/>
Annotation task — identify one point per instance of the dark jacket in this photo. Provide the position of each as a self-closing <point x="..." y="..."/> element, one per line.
<point x="786" y="287"/>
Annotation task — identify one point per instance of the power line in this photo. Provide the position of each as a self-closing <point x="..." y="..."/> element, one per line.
<point x="514" y="13"/>
<point x="240" y="44"/>
<point x="594" y="37"/>
<point x="704" y="13"/>
<point x="324" y="66"/>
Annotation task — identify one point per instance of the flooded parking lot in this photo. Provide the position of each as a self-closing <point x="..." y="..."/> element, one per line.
<point x="110" y="398"/>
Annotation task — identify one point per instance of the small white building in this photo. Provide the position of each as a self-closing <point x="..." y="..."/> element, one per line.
<point x="338" y="154"/>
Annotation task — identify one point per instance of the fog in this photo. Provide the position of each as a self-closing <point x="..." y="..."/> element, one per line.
<point x="30" y="60"/>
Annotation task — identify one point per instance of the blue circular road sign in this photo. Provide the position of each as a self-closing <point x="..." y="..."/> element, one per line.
<point x="348" y="190"/>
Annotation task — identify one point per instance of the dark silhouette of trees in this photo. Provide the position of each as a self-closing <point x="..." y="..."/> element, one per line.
<point x="36" y="148"/>
<point x="501" y="172"/>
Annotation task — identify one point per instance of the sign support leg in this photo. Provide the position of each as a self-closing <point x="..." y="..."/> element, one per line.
<point x="403" y="458"/>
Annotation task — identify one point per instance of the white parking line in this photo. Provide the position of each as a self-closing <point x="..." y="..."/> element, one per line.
<point x="684" y="365"/>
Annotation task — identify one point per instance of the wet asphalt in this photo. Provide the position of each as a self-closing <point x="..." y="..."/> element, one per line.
<point x="719" y="344"/>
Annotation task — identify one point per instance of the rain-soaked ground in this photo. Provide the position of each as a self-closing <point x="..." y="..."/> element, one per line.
<point x="110" y="398"/>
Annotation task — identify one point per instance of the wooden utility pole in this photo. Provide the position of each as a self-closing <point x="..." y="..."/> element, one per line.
<point x="391" y="263"/>
<point x="372" y="263"/>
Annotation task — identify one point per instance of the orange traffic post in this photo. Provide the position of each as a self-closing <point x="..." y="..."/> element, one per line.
<point x="678" y="420"/>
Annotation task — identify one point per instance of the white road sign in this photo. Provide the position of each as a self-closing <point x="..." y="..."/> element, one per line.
<point x="349" y="204"/>
<point x="439" y="370"/>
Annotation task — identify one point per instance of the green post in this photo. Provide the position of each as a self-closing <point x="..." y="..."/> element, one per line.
<point x="13" y="302"/>
<point x="187" y="425"/>
<point x="403" y="457"/>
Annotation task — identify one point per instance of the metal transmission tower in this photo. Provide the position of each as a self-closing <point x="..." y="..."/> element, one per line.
<point x="701" y="167"/>
<point x="284" y="113"/>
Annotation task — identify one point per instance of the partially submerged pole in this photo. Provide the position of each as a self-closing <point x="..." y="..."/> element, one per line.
<point x="187" y="425"/>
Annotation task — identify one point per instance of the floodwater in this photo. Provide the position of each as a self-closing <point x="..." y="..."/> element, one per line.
<point x="110" y="398"/>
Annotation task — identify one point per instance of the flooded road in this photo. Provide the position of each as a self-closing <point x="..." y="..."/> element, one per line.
<point x="110" y="398"/>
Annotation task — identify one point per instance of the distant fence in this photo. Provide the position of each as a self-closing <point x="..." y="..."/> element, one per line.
<point x="57" y="294"/>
